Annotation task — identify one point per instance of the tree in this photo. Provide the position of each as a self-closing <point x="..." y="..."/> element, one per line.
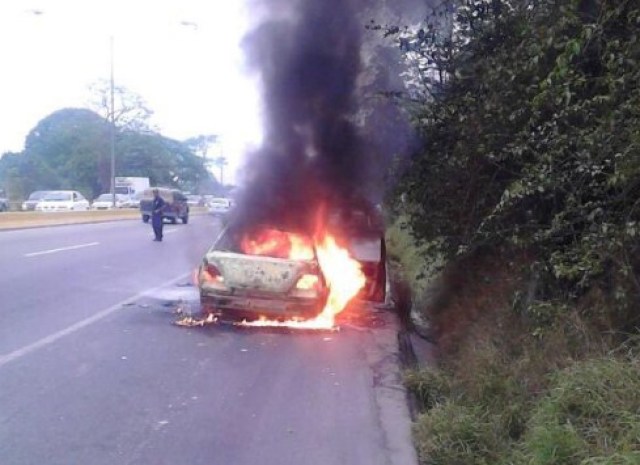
<point x="532" y="142"/>
<point x="201" y="144"/>
<point x="130" y="109"/>
<point x="69" y="149"/>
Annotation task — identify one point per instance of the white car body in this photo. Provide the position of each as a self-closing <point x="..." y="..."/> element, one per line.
<point x="105" y="202"/>
<point x="33" y="199"/>
<point x="63" y="201"/>
<point x="132" y="201"/>
<point x="220" y="206"/>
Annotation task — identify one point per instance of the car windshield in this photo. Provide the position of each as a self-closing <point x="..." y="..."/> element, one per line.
<point x="166" y="194"/>
<point x="37" y="195"/>
<point x="59" y="196"/>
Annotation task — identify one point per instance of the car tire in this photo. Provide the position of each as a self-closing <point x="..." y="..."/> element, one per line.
<point x="145" y="218"/>
<point x="185" y="219"/>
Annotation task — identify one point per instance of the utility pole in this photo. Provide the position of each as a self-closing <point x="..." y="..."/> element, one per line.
<point x="113" y="132"/>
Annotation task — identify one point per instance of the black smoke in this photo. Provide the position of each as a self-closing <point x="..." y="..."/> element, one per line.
<point x="307" y="55"/>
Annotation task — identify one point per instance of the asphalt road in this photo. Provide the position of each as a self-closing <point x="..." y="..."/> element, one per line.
<point x="92" y="370"/>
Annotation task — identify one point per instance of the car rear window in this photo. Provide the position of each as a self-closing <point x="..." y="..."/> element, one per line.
<point x="267" y="242"/>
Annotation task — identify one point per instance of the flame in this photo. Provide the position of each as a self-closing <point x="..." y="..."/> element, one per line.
<point x="278" y="244"/>
<point x="343" y="274"/>
<point x="344" y="278"/>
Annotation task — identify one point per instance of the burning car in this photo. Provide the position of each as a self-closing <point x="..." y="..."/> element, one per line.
<point x="274" y="273"/>
<point x="293" y="279"/>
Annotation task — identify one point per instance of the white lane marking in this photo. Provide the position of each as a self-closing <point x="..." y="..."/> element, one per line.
<point x="61" y="249"/>
<point x="45" y="341"/>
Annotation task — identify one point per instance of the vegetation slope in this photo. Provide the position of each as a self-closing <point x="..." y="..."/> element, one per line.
<point x="518" y="225"/>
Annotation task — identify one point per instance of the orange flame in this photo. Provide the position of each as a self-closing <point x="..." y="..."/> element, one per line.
<point x="278" y="244"/>
<point x="342" y="273"/>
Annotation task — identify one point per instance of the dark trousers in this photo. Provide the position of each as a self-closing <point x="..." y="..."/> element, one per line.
<point x="156" y="222"/>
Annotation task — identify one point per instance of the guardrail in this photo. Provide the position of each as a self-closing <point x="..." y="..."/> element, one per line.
<point x="19" y="220"/>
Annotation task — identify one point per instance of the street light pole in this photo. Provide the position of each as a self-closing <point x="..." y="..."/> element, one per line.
<point x="113" y="132"/>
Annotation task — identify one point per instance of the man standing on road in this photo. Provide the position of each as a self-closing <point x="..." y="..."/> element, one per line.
<point x="157" y="207"/>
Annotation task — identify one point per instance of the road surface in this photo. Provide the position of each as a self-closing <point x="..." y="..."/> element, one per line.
<point x="92" y="370"/>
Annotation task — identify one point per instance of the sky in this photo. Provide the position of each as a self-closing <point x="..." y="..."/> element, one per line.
<point x="183" y="57"/>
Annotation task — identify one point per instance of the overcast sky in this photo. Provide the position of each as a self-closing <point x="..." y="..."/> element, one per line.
<point x="190" y="75"/>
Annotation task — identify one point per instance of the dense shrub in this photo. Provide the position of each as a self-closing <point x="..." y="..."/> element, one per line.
<point x="532" y="139"/>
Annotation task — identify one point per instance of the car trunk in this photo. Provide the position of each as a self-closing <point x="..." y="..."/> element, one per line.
<point x="258" y="274"/>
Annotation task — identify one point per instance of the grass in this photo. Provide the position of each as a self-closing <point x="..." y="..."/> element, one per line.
<point x="419" y="264"/>
<point x="451" y="434"/>
<point x="504" y="394"/>
<point x="590" y="412"/>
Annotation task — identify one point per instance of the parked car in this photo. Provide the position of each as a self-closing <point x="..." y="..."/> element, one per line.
<point x="4" y="201"/>
<point x="33" y="199"/>
<point x="132" y="201"/>
<point x="176" y="205"/>
<point x="105" y="202"/>
<point x="195" y="200"/>
<point x="240" y="285"/>
<point x="220" y="206"/>
<point x="62" y="201"/>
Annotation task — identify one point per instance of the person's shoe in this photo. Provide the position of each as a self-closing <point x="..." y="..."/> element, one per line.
<point x="156" y="240"/>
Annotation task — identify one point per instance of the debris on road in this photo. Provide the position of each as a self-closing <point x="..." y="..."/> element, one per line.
<point x="191" y="321"/>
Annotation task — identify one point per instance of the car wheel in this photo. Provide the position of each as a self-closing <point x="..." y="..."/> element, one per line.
<point x="145" y="218"/>
<point x="185" y="219"/>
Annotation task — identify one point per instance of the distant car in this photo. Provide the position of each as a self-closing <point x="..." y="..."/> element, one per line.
<point x="33" y="199"/>
<point x="132" y="201"/>
<point x="195" y="200"/>
<point x="105" y="202"/>
<point x="176" y="205"/>
<point x="4" y="201"/>
<point x="242" y="285"/>
<point x="220" y="206"/>
<point x="62" y="201"/>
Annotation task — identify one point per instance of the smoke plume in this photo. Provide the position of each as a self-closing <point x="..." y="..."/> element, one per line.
<point x="307" y="55"/>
